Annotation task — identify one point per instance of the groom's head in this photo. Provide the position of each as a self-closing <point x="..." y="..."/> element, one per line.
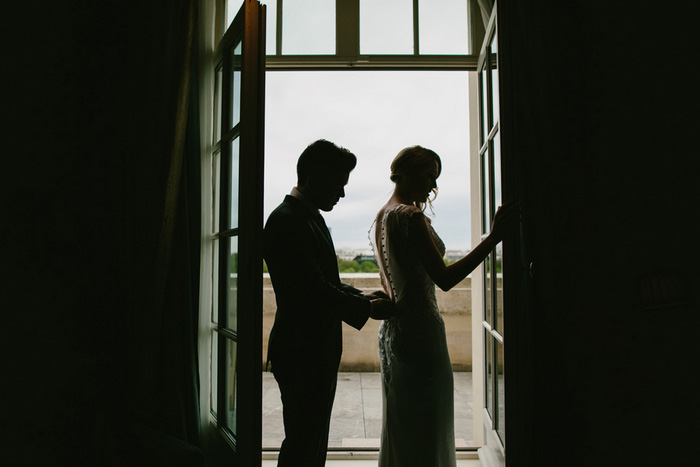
<point x="323" y="170"/>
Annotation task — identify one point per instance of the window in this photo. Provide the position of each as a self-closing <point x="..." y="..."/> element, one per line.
<point x="491" y="197"/>
<point x="233" y="89"/>
<point x="224" y="236"/>
<point x="432" y="34"/>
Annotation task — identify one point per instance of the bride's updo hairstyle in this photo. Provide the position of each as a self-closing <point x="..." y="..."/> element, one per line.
<point x="412" y="160"/>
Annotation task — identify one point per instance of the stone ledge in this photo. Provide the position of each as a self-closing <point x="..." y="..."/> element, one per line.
<point x="360" y="350"/>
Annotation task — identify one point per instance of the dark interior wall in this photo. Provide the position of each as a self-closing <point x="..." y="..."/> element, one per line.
<point x="98" y="366"/>
<point x="603" y="102"/>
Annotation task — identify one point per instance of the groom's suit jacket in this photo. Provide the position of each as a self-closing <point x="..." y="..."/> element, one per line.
<point x="311" y="300"/>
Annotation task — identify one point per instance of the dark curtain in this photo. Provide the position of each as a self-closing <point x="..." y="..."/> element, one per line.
<point x="100" y="200"/>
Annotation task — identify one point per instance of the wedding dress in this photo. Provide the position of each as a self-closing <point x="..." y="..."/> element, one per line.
<point x="417" y="382"/>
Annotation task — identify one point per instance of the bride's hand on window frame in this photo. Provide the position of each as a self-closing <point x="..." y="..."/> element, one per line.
<point x="506" y="218"/>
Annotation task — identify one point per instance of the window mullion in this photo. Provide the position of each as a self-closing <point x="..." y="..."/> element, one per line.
<point x="221" y="379"/>
<point x="347" y="28"/>
<point x="416" y="37"/>
<point x="227" y="333"/>
<point x="477" y="25"/>
<point x="224" y="214"/>
<point x="230" y="135"/>
<point x="278" y="29"/>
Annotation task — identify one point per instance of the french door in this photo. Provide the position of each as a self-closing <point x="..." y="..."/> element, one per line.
<point x="502" y="309"/>
<point x="231" y="285"/>
<point x="490" y="313"/>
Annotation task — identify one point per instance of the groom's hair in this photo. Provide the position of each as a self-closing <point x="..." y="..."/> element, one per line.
<point x="323" y="158"/>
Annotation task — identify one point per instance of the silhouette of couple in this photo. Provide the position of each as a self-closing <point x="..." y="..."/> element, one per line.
<point x="305" y="343"/>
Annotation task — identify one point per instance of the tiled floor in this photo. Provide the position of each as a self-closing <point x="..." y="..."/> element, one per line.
<point x="357" y="412"/>
<point x="373" y="463"/>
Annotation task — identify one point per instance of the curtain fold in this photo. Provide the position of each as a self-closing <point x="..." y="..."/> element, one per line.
<point x="165" y="242"/>
<point x="101" y="227"/>
<point x="148" y="410"/>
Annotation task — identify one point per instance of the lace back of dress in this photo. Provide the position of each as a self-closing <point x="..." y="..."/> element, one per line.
<point x="380" y="254"/>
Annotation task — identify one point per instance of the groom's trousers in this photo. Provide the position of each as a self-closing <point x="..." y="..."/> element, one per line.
<point x="307" y="402"/>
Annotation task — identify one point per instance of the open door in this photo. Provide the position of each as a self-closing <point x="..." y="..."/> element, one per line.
<point x="501" y="306"/>
<point x="231" y="283"/>
<point x="489" y="281"/>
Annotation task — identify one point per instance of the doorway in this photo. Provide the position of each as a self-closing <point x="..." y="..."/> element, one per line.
<point x="374" y="114"/>
<point x="238" y="373"/>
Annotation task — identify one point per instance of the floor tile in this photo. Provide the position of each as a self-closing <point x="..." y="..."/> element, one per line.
<point x="372" y="403"/>
<point x="273" y="431"/>
<point x="371" y="380"/>
<point x="373" y="428"/>
<point x="346" y="428"/>
<point x="357" y="410"/>
<point x="372" y="463"/>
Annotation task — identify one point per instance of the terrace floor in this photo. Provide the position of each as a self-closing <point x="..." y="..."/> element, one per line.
<point x="356" y="420"/>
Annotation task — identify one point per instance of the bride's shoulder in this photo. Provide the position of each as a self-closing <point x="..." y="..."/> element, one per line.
<point x="401" y="211"/>
<point x="407" y="210"/>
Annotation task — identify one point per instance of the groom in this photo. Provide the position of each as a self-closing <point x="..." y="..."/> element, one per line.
<point x="306" y="339"/>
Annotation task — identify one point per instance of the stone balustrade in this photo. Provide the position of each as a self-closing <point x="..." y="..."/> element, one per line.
<point x="360" y="351"/>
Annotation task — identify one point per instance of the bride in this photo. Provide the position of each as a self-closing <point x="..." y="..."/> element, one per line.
<point x="418" y="395"/>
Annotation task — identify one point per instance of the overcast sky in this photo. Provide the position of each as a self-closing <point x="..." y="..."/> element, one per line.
<point x="374" y="114"/>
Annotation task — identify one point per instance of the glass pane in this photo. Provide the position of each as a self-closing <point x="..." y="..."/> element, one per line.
<point x="487" y="290"/>
<point x="214" y="372"/>
<point x="234" y="182"/>
<point x="499" y="289"/>
<point x="215" y="282"/>
<point x="386" y="27"/>
<point x="231" y="385"/>
<point x="270" y="27"/>
<point x="497" y="195"/>
<point x="488" y="371"/>
<point x="232" y="313"/>
<point x="216" y="191"/>
<point x="308" y="27"/>
<point x="483" y="100"/>
<point x="232" y="7"/>
<point x="485" y="194"/>
<point x="218" y="86"/>
<point x="493" y="55"/>
<point x="235" y="113"/>
<point x="443" y="27"/>
<point x="500" y="391"/>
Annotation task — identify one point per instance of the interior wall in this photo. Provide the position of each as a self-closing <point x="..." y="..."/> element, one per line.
<point x="603" y="100"/>
<point x="98" y="308"/>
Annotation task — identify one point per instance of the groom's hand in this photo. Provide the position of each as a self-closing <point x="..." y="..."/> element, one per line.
<point x="382" y="308"/>
<point x="377" y="294"/>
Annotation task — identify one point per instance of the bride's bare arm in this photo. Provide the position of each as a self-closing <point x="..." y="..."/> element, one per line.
<point x="447" y="277"/>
